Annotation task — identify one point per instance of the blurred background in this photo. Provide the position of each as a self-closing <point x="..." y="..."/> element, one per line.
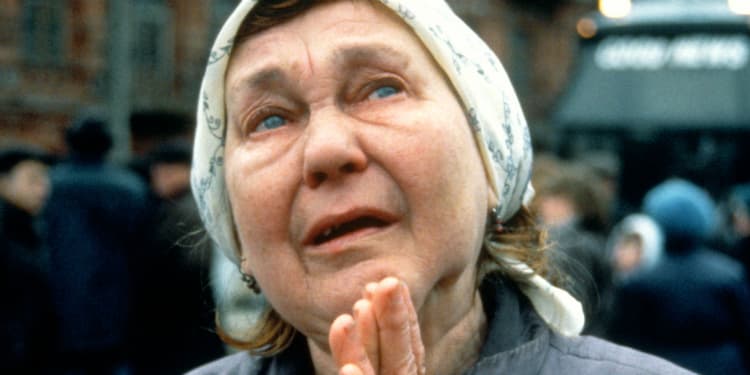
<point x="140" y="62"/>
<point x="620" y="96"/>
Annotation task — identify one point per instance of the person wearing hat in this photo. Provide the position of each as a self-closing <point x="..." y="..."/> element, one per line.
<point x="365" y="165"/>
<point x="95" y="222"/>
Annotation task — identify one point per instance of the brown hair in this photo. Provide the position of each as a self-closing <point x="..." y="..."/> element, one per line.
<point x="269" y="13"/>
<point x="520" y="239"/>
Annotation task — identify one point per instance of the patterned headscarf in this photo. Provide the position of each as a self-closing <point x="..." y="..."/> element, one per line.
<point x="488" y="98"/>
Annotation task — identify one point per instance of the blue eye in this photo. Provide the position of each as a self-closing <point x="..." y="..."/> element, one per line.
<point x="383" y="92"/>
<point x="271" y="122"/>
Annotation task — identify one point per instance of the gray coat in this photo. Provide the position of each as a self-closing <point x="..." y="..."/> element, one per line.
<point x="518" y="342"/>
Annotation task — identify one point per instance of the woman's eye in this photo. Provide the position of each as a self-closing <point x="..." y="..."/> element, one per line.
<point x="383" y="92"/>
<point x="271" y="122"/>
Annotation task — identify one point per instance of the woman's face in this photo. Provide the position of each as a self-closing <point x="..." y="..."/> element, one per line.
<point x="348" y="158"/>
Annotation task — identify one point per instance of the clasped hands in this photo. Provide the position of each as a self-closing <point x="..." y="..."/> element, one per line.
<point x="381" y="336"/>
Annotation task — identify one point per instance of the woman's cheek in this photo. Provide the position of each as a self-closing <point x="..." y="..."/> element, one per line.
<point x="255" y="198"/>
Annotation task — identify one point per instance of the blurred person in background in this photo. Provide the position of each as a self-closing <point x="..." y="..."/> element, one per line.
<point x="635" y="245"/>
<point x="605" y="169"/>
<point x="173" y="296"/>
<point x="693" y="306"/>
<point x="570" y="202"/>
<point x="95" y="220"/>
<point x="739" y="226"/>
<point x="26" y="319"/>
<point x="569" y="194"/>
<point x="24" y="188"/>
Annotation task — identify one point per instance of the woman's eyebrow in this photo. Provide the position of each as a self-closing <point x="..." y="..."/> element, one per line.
<point x="352" y="56"/>
<point x="343" y="58"/>
<point x="262" y="80"/>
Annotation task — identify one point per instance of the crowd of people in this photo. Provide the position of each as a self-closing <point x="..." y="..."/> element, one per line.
<point x="99" y="260"/>
<point x="668" y="277"/>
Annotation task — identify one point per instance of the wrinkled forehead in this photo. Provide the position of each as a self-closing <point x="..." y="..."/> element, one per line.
<point x="333" y="36"/>
<point x="265" y="15"/>
<point x="361" y="21"/>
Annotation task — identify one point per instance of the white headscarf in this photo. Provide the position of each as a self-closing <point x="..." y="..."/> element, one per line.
<point x="652" y="240"/>
<point x="489" y="101"/>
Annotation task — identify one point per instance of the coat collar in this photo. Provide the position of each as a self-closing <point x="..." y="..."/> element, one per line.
<point x="517" y="338"/>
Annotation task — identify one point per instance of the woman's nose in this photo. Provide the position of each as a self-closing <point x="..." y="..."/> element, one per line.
<point x="332" y="150"/>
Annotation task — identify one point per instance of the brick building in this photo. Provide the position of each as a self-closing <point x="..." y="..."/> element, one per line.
<point x="59" y="57"/>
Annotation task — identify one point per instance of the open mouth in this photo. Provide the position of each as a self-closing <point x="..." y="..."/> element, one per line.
<point x="339" y="230"/>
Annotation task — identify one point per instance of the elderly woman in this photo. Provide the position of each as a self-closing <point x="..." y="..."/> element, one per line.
<point x="365" y="164"/>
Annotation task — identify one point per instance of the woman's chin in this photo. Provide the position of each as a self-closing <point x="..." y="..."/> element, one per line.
<point x="359" y="275"/>
<point x="347" y="285"/>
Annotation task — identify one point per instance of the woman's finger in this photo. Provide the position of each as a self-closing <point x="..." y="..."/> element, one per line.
<point x="416" y="336"/>
<point x="346" y="347"/>
<point x="367" y="329"/>
<point x="394" y="331"/>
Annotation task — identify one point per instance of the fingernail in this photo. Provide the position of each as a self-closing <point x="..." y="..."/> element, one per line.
<point x="358" y="307"/>
<point x="349" y="369"/>
<point x="395" y="294"/>
<point x="350" y="324"/>
<point x="369" y="290"/>
<point x="389" y="282"/>
<point x="347" y="322"/>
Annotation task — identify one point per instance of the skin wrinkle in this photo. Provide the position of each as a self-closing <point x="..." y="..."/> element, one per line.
<point x="270" y="78"/>
<point x="310" y="60"/>
<point x="346" y="58"/>
<point x="392" y="134"/>
<point x="417" y="153"/>
<point x="355" y="56"/>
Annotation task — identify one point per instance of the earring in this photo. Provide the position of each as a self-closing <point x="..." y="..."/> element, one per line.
<point x="249" y="280"/>
<point x="250" y="283"/>
<point x="494" y="221"/>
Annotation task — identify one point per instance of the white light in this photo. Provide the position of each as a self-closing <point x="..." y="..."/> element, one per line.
<point x="615" y="8"/>
<point x="740" y="6"/>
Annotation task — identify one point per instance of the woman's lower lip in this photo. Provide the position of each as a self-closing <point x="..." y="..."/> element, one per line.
<point x="345" y="242"/>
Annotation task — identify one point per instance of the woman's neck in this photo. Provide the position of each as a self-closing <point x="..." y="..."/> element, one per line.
<point x="452" y="339"/>
<point x="455" y="349"/>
